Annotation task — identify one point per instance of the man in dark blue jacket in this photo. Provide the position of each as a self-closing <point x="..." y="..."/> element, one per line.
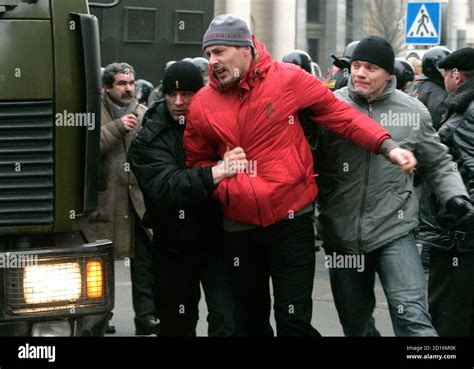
<point x="186" y="223"/>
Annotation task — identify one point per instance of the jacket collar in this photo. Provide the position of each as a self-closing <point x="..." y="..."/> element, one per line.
<point x="115" y="111"/>
<point x="459" y="100"/>
<point x="259" y="67"/>
<point x="389" y="89"/>
<point x="158" y="118"/>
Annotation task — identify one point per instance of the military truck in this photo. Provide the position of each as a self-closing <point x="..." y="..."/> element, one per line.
<point x="52" y="283"/>
<point x="148" y="33"/>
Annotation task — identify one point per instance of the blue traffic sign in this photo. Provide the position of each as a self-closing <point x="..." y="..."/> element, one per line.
<point x="423" y="23"/>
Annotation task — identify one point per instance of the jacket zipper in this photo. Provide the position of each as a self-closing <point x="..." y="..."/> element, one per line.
<point x="364" y="195"/>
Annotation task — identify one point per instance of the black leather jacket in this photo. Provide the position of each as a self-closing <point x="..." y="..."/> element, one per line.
<point x="456" y="132"/>
<point x="433" y="96"/>
<point x="177" y="199"/>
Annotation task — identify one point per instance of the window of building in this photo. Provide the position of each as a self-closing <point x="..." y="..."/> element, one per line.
<point x="470" y="9"/>
<point x="349" y="10"/>
<point x="140" y="24"/>
<point x="313" y="49"/>
<point x="349" y="20"/>
<point x="313" y="11"/>
<point x="189" y="27"/>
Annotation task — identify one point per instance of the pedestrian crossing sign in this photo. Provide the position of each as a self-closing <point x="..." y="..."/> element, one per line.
<point x="423" y="23"/>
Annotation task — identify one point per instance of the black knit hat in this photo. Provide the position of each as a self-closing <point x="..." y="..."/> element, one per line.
<point x="375" y="50"/>
<point x="227" y="29"/>
<point x="182" y="76"/>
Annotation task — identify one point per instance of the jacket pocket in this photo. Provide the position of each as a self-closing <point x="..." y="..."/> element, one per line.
<point x="402" y="197"/>
<point x="295" y="171"/>
<point x="296" y="154"/>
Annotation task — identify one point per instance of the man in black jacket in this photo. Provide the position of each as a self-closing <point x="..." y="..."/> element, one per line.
<point x="429" y="87"/>
<point x="451" y="282"/>
<point x="186" y="223"/>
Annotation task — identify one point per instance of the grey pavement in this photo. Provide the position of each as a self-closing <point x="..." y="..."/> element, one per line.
<point x="325" y="317"/>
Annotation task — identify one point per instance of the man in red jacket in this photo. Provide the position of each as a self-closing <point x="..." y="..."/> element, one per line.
<point x="252" y="102"/>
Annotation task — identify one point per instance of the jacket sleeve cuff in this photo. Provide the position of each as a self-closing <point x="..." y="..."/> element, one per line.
<point x="119" y="127"/>
<point x="208" y="180"/>
<point x="387" y="146"/>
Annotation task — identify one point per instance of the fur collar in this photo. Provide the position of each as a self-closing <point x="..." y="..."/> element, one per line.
<point x="459" y="100"/>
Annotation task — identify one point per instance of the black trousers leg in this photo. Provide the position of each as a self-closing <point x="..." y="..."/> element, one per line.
<point x="215" y="278"/>
<point x="292" y="266"/>
<point x="247" y="258"/>
<point x="177" y="288"/>
<point x="142" y="276"/>
<point x="451" y="292"/>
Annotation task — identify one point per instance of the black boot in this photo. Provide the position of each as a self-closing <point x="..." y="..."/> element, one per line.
<point x="110" y="328"/>
<point x="146" y="326"/>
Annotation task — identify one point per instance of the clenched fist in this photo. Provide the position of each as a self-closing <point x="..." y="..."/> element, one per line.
<point x="404" y="159"/>
<point x="129" y="122"/>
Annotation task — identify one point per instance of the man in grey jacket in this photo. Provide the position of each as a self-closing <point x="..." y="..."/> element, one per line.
<point x="367" y="206"/>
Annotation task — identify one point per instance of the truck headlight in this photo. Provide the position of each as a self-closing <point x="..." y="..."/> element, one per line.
<point x="58" y="284"/>
<point x="52" y="283"/>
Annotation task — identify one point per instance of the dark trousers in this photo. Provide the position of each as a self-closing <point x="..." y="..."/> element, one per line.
<point x="180" y="267"/>
<point x="285" y="252"/>
<point x="451" y="292"/>
<point x="142" y="276"/>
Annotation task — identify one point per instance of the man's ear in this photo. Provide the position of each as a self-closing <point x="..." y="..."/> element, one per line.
<point x="458" y="77"/>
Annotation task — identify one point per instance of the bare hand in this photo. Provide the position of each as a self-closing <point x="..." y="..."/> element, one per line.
<point x="234" y="162"/>
<point x="404" y="159"/>
<point x="129" y="122"/>
<point x="234" y="154"/>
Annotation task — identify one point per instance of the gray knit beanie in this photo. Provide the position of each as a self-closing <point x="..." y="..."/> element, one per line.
<point x="229" y="30"/>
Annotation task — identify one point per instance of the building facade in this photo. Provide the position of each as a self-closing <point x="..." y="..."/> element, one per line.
<point x="325" y="27"/>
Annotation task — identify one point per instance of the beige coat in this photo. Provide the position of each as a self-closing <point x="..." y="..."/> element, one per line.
<point x="119" y="195"/>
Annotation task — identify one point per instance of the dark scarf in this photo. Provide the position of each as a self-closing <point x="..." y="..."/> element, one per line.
<point x="116" y="111"/>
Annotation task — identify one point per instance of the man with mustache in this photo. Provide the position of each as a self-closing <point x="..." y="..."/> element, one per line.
<point x="121" y="207"/>
<point x="252" y="102"/>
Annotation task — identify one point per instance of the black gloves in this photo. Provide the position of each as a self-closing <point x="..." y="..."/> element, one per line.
<point x="458" y="206"/>
<point x="458" y="215"/>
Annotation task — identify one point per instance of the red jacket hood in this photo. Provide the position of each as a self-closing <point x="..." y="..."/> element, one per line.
<point x="259" y="67"/>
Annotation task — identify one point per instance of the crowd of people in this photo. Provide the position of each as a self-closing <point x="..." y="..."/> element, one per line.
<point x="221" y="175"/>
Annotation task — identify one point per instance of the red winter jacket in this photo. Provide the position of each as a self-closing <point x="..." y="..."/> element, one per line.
<point x="260" y="115"/>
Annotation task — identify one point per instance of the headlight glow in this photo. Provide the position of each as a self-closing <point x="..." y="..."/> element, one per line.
<point x="52" y="283"/>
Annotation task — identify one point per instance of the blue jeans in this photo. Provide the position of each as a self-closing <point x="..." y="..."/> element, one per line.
<point x="401" y="274"/>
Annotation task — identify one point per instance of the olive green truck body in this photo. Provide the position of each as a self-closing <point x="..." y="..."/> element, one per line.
<point x="52" y="283"/>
